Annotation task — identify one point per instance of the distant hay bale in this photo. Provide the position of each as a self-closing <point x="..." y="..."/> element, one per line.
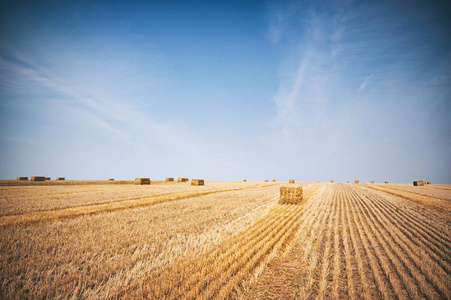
<point x="290" y="195"/>
<point x="110" y="179"/>
<point x="60" y="178"/>
<point x="197" y="182"/>
<point x="332" y="181"/>
<point x="169" y="179"/>
<point x="386" y="182"/>
<point x="37" y="178"/>
<point x="182" y="179"/>
<point x="348" y="181"/>
<point x="47" y="178"/>
<point x="266" y="180"/>
<point x="428" y="182"/>
<point x="357" y="181"/>
<point x="244" y="180"/>
<point x="22" y="178"/>
<point x="418" y="183"/>
<point x="142" y="181"/>
<point x="372" y="181"/>
<point x="291" y="181"/>
<point x="273" y="180"/>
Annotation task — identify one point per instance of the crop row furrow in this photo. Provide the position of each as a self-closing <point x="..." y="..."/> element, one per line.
<point x="339" y="263"/>
<point x="385" y="260"/>
<point x="230" y="276"/>
<point x="416" y="241"/>
<point x="368" y="288"/>
<point x="313" y="250"/>
<point x="222" y="270"/>
<point x="382" y="283"/>
<point x="422" y="223"/>
<point x="422" y="269"/>
<point x="197" y="272"/>
<point x="418" y="236"/>
<point x="350" y="263"/>
<point x="412" y="278"/>
<point x="326" y="265"/>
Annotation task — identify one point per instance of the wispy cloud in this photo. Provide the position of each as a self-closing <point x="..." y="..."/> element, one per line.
<point x="24" y="141"/>
<point x="365" y="82"/>
<point x="103" y="109"/>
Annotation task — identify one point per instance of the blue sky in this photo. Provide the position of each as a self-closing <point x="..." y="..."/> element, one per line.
<point x="226" y="90"/>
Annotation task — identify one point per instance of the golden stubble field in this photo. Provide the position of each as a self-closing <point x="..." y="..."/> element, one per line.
<point x="224" y="240"/>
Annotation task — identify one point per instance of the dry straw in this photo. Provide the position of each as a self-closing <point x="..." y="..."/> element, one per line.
<point x="386" y="182"/>
<point x="418" y="183"/>
<point x="332" y="181"/>
<point x="348" y="181"/>
<point x="110" y="179"/>
<point x="372" y="181"/>
<point x="37" y="178"/>
<point x="60" y="178"/>
<point x="244" y="180"/>
<point x="291" y="181"/>
<point x="22" y="178"/>
<point x="357" y="181"/>
<point x="141" y="181"/>
<point x="197" y="182"/>
<point x="273" y="180"/>
<point x="169" y="179"/>
<point x="182" y="179"/>
<point x="428" y="182"/>
<point x="266" y="180"/>
<point x="290" y="195"/>
<point x="47" y="178"/>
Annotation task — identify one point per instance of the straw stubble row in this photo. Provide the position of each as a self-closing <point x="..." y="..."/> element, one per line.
<point x="364" y="246"/>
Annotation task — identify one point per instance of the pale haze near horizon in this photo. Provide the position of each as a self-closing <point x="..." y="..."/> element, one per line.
<point x="337" y="90"/>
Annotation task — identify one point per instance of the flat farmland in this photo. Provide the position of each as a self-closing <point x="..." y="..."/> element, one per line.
<point x="225" y="240"/>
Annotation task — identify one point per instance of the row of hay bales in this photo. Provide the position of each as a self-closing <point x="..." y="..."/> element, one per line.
<point x="38" y="178"/>
<point x="146" y="181"/>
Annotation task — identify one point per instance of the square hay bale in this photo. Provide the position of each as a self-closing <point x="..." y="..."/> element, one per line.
<point x="60" y="178"/>
<point x="418" y="183"/>
<point x="266" y="180"/>
<point x="197" y="182"/>
<point x="386" y="182"/>
<point x="110" y="179"/>
<point x="372" y="181"/>
<point x="182" y="179"/>
<point x="291" y="181"/>
<point x="141" y="181"/>
<point x="290" y="195"/>
<point x="273" y="180"/>
<point x="22" y="178"/>
<point x="357" y="181"/>
<point x="37" y="178"/>
<point x="428" y="182"/>
<point x="47" y="178"/>
<point x="244" y="180"/>
<point x="169" y="179"/>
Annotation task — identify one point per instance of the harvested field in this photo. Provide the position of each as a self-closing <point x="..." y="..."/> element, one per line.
<point x="18" y="200"/>
<point x="233" y="242"/>
<point x="441" y="191"/>
<point x="360" y="243"/>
